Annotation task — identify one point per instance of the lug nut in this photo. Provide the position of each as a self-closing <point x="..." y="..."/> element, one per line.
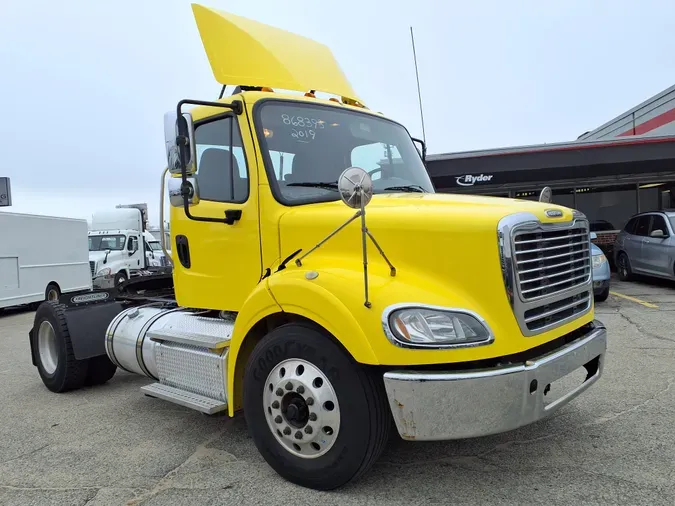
<point x="278" y="419"/>
<point x="308" y="430"/>
<point x="298" y="435"/>
<point x="287" y="431"/>
<point x="301" y="389"/>
<point x="275" y="404"/>
<point x="280" y="392"/>
<point x="289" y="386"/>
<point x="310" y="401"/>
<point x="312" y="417"/>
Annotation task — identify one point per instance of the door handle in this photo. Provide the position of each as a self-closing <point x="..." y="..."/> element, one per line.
<point x="232" y="215"/>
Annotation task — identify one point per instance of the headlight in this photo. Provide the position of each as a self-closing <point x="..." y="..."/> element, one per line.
<point x="104" y="272"/>
<point x="428" y="327"/>
<point x="598" y="260"/>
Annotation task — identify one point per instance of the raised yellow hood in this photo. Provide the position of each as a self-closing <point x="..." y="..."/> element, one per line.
<point x="248" y="53"/>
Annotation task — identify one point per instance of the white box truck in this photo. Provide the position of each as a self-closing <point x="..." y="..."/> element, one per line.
<point x="41" y="257"/>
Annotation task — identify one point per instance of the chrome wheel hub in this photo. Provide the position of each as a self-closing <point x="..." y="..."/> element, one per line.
<point x="47" y="347"/>
<point x="301" y="408"/>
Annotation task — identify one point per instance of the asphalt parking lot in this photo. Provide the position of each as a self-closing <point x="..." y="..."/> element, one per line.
<point x="110" y="445"/>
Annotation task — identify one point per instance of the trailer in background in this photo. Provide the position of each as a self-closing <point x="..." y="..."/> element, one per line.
<point x="41" y="257"/>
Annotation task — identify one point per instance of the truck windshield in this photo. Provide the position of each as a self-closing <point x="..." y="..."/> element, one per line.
<point x="104" y="242"/>
<point x="307" y="146"/>
<point x="155" y="245"/>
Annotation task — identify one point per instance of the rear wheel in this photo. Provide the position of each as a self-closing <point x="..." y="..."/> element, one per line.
<point x="100" y="370"/>
<point x="59" y="369"/>
<point x="623" y="265"/>
<point x="52" y="292"/>
<point x="318" y="418"/>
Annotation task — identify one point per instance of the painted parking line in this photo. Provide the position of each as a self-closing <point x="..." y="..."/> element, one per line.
<point x="633" y="299"/>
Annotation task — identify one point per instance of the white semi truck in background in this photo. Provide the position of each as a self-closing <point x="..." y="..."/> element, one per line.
<point x="41" y="257"/>
<point x="120" y="247"/>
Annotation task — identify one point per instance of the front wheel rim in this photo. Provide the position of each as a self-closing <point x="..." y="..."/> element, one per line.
<point x="47" y="347"/>
<point x="52" y="295"/>
<point x="301" y="408"/>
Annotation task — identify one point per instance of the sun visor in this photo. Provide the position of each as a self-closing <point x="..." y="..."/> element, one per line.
<point x="248" y="53"/>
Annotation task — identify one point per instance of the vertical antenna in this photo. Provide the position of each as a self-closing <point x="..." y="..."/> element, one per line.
<point x="419" y="93"/>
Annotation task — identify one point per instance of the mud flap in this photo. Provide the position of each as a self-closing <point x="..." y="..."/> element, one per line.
<point x="87" y="327"/>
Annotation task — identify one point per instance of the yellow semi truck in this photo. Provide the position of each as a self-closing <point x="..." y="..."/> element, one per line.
<point x="321" y="285"/>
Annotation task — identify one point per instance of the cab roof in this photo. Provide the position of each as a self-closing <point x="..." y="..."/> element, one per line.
<point x="243" y="52"/>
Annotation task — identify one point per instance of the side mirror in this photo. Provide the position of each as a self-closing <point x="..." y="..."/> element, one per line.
<point x="594" y="236"/>
<point x="175" y="194"/>
<point x="657" y="233"/>
<point x="423" y="154"/>
<point x="179" y="141"/>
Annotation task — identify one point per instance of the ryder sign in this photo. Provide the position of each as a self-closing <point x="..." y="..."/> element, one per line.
<point x="469" y="180"/>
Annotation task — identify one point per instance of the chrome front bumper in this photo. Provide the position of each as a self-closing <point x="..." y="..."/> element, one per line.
<point x="464" y="404"/>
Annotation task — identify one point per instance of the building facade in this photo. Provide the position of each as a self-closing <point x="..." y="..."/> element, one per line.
<point x="621" y="168"/>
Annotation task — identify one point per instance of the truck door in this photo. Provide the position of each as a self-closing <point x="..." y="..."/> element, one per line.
<point x="217" y="265"/>
<point x="136" y="254"/>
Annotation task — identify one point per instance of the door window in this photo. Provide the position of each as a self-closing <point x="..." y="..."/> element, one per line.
<point x="630" y="226"/>
<point x="658" y="223"/>
<point x="642" y="227"/>
<point x="222" y="172"/>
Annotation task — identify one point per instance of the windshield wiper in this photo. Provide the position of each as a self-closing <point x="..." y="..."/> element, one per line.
<point x="407" y="188"/>
<point x="326" y="186"/>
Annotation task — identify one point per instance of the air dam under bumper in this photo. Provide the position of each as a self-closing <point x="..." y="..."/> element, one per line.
<point x="463" y="404"/>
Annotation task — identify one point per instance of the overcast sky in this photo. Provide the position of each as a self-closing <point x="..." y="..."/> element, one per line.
<point x="84" y="84"/>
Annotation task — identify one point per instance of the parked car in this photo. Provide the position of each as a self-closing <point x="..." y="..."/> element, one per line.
<point x="646" y="245"/>
<point x="601" y="272"/>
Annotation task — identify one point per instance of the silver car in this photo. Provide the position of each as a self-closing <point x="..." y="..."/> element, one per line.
<point x="646" y="246"/>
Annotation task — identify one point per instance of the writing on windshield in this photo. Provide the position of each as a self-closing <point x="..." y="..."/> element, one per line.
<point x="307" y="146"/>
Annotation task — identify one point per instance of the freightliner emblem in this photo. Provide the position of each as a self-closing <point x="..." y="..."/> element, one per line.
<point x="553" y="213"/>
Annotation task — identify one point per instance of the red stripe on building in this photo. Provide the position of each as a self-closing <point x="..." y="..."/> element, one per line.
<point x="652" y="124"/>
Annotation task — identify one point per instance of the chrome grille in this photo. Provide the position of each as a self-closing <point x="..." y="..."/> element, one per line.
<point x="550" y="262"/>
<point x="547" y="270"/>
<point x="92" y="267"/>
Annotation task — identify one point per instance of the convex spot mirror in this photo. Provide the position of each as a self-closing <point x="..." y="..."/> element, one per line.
<point x="179" y="140"/>
<point x="175" y="195"/>
<point x="356" y="187"/>
<point x="546" y="195"/>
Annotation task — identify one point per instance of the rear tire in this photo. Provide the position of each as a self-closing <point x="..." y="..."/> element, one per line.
<point x="623" y="266"/>
<point x="59" y="369"/>
<point x="100" y="371"/>
<point x="52" y="293"/>
<point x="323" y="443"/>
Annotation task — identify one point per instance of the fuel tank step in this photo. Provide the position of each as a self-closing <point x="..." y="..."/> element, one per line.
<point x="184" y="398"/>
<point x="212" y="333"/>
<point x="200" y="340"/>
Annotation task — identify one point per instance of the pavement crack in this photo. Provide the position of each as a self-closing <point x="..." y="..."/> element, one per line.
<point x="614" y="416"/>
<point x="164" y="482"/>
<point x="644" y="332"/>
<point x="27" y="454"/>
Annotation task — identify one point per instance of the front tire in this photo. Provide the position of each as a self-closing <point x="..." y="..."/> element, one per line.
<point x="59" y="369"/>
<point x="625" y="271"/>
<point x="120" y="277"/>
<point x="318" y="418"/>
<point x="602" y="296"/>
